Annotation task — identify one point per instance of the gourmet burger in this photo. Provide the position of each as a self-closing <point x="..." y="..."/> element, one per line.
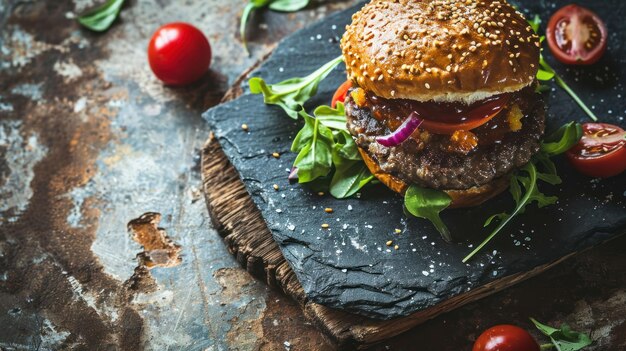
<point x="443" y="94"/>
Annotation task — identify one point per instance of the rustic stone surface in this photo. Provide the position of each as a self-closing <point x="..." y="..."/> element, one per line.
<point x="90" y="139"/>
<point x="348" y="266"/>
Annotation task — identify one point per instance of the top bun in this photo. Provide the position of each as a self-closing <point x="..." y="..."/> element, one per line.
<point x="445" y="51"/>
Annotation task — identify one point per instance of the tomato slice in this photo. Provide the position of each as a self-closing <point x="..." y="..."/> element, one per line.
<point x="601" y="152"/>
<point x="448" y="118"/>
<point x="340" y="93"/>
<point x="576" y="35"/>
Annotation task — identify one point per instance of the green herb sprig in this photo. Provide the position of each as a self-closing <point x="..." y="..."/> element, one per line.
<point x="547" y="73"/>
<point x="324" y="146"/>
<point x="101" y="18"/>
<point x="276" y="5"/>
<point x="524" y="187"/>
<point x="291" y="94"/>
<point x="564" y="338"/>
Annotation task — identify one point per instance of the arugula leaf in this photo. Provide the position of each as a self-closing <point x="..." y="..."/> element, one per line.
<point x="334" y="118"/>
<point x="251" y="6"/>
<point x="534" y="23"/>
<point x="544" y="75"/>
<point x="314" y="144"/>
<point x="288" y="5"/>
<point x="527" y="178"/>
<point x="351" y="173"/>
<point x="427" y="203"/>
<point x="101" y="18"/>
<point x="276" y="5"/>
<point x="523" y="186"/>
<point x="562" y="139"/>
<point x="564" y="339"/>
<point x="291" y="94"/>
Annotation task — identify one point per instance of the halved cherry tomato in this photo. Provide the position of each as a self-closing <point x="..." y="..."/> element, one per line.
<point x="505" y="338"/>
<point x="448" y="120"/>
<point x="576" y="35"/>
<point x="601" y="152"/>
<point x="340" y="93"/>
<point x="179" y="53"/>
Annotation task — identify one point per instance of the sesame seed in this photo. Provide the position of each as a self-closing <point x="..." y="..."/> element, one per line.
<point x="427" y="85"/>
<point x="325" y="225"/>
<point x="321" y="193"/>
<point x="244" y="127"/>
<point x="275" y="186"/>
<point x="276" y="154"/>
<point x="398" y="231"/>
<point x="328" y="210"/>
<point x="396" y="247"/>
<point x="389" y="243"/>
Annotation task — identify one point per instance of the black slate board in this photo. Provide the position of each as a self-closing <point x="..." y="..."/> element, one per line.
<point x="348" y="266"/>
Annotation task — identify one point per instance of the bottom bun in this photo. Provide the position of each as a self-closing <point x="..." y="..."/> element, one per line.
<point x="473" y="196"/>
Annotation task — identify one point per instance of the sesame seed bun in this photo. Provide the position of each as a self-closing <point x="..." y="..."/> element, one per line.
<point x="444" y="51"/>
<point x="473" y="196"/>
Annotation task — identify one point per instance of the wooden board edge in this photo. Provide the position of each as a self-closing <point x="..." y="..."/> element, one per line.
<point x="370" y="332"/>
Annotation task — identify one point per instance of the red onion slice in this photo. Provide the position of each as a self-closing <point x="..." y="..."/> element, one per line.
<point x="403" y="132"/>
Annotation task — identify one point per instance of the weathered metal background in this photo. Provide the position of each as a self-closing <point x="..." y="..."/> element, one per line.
<point x="90" y="140"/>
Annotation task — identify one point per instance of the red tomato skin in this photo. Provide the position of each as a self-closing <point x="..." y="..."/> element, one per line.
<point x="599" y="168"/>
<point x="564" y="57"/>
<point x="602" y="166"/>
<point x="505" y="337"/>
<point x="340" y="93"/>
<point x="179" y="53"/>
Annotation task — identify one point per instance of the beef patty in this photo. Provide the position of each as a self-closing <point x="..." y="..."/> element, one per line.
<point x="431" y="163"/>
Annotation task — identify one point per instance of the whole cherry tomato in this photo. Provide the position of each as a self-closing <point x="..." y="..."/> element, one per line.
<point x="340" y="93"/>
<point x="505" y="338"/>
<point x="179" y="53"/>
<point x="576" y="35"/>
<point x="601" y="152"/>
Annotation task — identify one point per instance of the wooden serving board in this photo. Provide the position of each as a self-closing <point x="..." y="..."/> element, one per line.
<point x="241" y="225"/>
<point x="360" y="297"/>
